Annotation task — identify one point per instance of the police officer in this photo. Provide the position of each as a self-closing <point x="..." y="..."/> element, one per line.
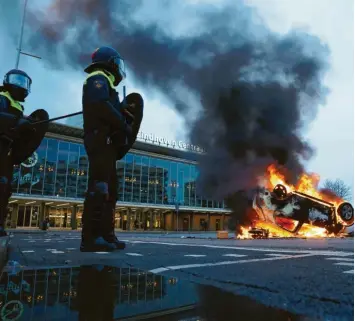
<point x="19" y="138"/>
<point x="110" y="129"/>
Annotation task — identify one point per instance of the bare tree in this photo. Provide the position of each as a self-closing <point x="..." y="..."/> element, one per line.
<point x="339" y="188"/>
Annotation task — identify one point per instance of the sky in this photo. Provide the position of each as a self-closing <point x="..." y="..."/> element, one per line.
<point x="332" y="133"/>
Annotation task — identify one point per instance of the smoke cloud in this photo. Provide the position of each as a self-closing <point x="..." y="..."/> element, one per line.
<point x="257" y="89"/>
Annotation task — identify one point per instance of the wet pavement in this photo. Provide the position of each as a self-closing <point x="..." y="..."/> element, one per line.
<point x="155" y="279"/>
<point x="100" y="292"/>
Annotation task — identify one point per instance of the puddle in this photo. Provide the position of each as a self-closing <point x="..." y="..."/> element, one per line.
<point x="104" y="293"/>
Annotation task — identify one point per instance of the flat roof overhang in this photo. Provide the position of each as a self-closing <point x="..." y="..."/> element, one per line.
<point x="24" y="199"/>
<point x="76" y="134"/>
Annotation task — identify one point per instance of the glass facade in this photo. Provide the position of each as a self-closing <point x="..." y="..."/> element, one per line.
<point x="60" y="168"/>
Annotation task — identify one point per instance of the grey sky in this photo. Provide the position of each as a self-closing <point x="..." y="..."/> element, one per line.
<point x="332" y="133"/>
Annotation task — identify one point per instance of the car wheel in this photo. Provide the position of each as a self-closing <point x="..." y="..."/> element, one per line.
<point x="346" y="213"/>
<point x="280" y="191"/>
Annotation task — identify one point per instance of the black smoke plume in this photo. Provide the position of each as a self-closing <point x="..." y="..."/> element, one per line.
<point x="256" y="89"/>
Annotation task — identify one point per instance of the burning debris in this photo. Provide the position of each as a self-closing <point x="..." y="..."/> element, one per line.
<point x="283" y="210"/>
<point x="259" y="233"/>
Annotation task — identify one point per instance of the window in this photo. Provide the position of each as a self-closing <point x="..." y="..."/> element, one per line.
<point x="50" y="167"/>
<point x="136" y="178"/>
<point x="73" y="169"/>
<point x="144" y="179"/>
<point x="62" y="167"/>
<point x="120" y="168"/>
<point x="129" y="168"/>
<point x="152" y="181"/>
<point x="38" y="170"/>
<point x="82" y="173"/>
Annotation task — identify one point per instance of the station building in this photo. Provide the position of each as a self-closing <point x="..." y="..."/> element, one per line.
<point x="156" y="186"/>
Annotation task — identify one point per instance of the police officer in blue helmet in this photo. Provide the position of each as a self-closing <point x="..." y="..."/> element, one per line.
<point x="110" y="129"/>
<point x="19" y="137"/>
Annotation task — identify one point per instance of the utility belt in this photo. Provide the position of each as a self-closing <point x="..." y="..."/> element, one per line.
<point x="99" y="135"/>
<point x="104" y="135"/>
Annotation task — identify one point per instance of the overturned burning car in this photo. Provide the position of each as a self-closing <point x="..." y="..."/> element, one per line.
<point x="290" y="210"/>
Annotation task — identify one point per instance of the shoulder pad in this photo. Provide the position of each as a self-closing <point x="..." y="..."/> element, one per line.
<point x="98" y="82"/>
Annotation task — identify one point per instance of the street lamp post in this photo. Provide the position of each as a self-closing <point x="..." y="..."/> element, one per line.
<point x="19" y="49"/>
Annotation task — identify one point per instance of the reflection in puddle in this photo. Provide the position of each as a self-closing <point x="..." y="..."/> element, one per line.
<point x="89" y="293"/>
<point x="103" y="293"/>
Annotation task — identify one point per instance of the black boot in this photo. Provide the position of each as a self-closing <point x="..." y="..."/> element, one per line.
<point x="108" y="221"/>
<point x="91" y="235"/>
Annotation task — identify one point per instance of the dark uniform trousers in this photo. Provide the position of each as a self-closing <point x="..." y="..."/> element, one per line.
<point x="99" y="208"/>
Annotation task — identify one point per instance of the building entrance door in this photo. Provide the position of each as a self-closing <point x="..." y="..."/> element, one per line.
<point x="28" y="216"/>
<point x="60" y="217"/>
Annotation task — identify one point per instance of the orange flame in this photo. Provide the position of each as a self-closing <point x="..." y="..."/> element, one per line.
<point x="307" y="184"/>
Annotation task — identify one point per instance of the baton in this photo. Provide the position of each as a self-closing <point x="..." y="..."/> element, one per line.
<point x="56" y="118"/>
<point x="70" y="115"/>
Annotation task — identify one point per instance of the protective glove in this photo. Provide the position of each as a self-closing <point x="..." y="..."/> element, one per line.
<point x="128" y="111"/>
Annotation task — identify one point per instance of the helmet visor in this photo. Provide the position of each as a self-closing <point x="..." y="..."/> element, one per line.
<point x="19" y="81"/>
<point x="121" y="68"/>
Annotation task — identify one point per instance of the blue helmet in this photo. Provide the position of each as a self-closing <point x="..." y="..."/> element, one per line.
<point x="110" y="60"/>
<point x="18" y="83"/>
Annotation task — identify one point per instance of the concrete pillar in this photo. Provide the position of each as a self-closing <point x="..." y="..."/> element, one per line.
<point x="223" y="227"/>
<point x="42" y="213"/>
<point x="73" y="221"/>
<point x="151" y="215"/>
<point x="208" y="221"/>
<point x="14" y="215"/>
<point x="128" y="219"/>
<point x="191" y="217"/>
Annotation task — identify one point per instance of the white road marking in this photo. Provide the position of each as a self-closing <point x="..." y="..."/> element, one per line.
<point x="134" y="254"/>
<point x="71" y="248"/>
<point x="195" y="255"/>
<point x="234" y="255"/>
<point x="31" y="241"/>
<point x="57" y="252"/>
<point x="62" y="238"/>
<point x="313" y="252"/>
<point x="29" y="251"/>
<point x="340" y="259"/>
<point x="275" y="254"/>
<point x="187" y="266"/>
<point x="102" y="252"/>
<point x="344" y="263"/>
<point x="50" y="249"/>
